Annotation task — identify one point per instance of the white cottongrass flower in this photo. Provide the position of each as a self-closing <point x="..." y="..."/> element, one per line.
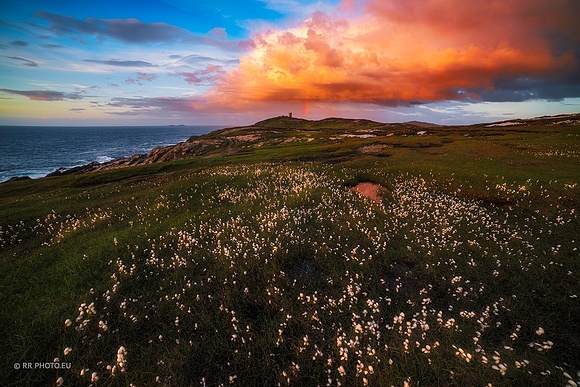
<point x="121" y="362"/>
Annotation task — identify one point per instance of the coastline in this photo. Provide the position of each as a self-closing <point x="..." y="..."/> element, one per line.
<point x="36" y="152"/>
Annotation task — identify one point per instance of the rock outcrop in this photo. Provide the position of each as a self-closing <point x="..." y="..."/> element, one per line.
<point x="183" y="150"/>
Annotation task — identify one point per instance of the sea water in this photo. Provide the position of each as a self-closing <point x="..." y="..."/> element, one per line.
<point x="35" y="151"/>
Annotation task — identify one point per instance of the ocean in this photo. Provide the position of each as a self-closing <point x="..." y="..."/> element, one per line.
<point x="35" y="151"/>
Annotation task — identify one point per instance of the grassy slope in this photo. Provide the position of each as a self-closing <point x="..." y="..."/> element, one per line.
<point x="257" y="262"/>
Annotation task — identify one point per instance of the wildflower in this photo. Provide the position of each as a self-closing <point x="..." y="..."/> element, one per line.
<point x="59" y="381"/>
<point x="67" y="350"/>
<point x="68" y="322"/>
<point x="121" y="352"/>
<point x="502" y="368"/>
<point x="540" y="331"/>
<point x="94" y="377"/>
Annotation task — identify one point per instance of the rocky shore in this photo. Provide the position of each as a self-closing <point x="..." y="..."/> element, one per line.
<point x="190" y="148"/>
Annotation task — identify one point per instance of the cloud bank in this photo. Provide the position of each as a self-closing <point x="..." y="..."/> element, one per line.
<point x="121" y="63"/>
<point x="45" y="95"/>
<point x="134" y="31"/>
<point x="404" y="52"/>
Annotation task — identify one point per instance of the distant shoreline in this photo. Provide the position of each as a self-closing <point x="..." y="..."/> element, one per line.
<point x="36" y="151"/>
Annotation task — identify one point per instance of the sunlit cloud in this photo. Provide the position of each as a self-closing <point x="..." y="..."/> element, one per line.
<point x="401" y="53"/>
<point x="378" y="59"/>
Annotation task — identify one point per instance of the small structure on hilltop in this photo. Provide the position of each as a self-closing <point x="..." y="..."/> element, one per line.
<point x="290" y="114"/>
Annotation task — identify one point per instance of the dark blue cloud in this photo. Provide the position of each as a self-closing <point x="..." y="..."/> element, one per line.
<point x="121" y="63"/>
<point x="130" y="31"/>
<point x="25" y="62"/>
<point x="44" y="95"/>
<point x="519" y="89"/>
<point x="19" y="43"/>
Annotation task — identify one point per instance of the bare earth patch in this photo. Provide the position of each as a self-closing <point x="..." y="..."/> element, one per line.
<point x="370" y="190"/>
<point x="372" y="148"/>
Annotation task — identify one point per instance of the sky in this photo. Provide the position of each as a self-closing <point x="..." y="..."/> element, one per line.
<point x="233" y="62"/>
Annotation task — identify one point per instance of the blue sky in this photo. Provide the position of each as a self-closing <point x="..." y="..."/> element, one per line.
<point x="235" y="62"/>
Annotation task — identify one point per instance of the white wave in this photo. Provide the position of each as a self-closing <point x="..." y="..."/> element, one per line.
<point x="103" y="159"/>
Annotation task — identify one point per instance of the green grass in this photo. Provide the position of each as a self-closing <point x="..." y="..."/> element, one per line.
<point x="258" y="265"/>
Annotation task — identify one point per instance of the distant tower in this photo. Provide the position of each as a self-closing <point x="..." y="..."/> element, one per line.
<point x="290" y="114"/>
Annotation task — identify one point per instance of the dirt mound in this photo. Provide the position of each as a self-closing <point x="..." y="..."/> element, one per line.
<point x="370" y="190"/>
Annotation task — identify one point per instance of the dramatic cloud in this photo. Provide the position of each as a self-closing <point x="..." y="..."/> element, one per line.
<point x="121" y="63"/>
<point x="25" y="62"/>
<point x="397" y="52"/>
<point x="44" y="95"/>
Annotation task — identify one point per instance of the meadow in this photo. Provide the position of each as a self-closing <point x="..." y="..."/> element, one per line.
<point x="259" y="264"/>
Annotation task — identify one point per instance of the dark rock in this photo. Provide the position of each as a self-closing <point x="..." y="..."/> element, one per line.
<point x="75" y="170"/>
<point x="18" y="178"/>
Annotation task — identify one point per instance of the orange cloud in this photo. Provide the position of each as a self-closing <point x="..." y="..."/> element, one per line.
<point x="412" y="51"/>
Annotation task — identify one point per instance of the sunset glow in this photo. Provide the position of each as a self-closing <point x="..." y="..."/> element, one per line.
<point x="390" y="60"/>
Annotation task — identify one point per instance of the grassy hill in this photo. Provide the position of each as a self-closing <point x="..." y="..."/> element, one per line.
<point x="249" y="257"/>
